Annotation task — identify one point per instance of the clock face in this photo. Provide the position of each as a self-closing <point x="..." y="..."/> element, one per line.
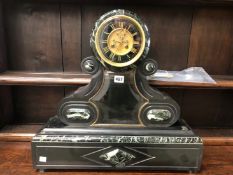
<point x="120" y="40"/>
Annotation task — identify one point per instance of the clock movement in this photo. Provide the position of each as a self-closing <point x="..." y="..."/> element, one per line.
<point x="118" y="121"/>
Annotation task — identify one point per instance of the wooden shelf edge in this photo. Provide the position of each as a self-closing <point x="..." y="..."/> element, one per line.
<point x="43" y="78"/>
<point x="64" y="79"/>
<point x="218" y="141"/>
<point x="24" y="133"/>
<point x="19" y="137"/>
<point x="222" y="81"/>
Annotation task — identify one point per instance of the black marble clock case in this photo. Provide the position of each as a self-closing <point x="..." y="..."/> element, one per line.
<point x="118" y="130"/>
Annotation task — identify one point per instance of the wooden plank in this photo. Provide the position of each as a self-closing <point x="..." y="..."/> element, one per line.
<point x="170" y="28"/>
<point x="211" y="44"/>
<point x="216" y="160"/>
<point x="222" y="81"/>
<point x="36" y="104"/>
<point x="21" y="133"/>
<point x="74" y="79"/>
<point x="212" y="108"/>
<point x="2" y="42"/>
<point x="216" y="137"/>
<point x="43" y="78"/>
<point x="34" y="44"/>
<point x="6" y="107"/>
<point x="211" y="47"/>
<point x="34" y="36"/>
<point x="71" y="37"/>
<point x="71" y="41"/>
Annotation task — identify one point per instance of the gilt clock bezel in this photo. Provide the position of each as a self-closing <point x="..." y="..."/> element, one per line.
<point x="124" y="14"/>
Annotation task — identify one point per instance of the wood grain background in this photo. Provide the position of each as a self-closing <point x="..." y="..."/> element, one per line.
<point x="45" y="36"/>
<point x="6" y="107"/>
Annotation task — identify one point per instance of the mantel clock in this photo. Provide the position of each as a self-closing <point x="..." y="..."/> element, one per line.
<point x="118" y="121"/>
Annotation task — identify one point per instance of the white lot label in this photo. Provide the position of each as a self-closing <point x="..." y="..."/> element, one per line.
<point x="118" y="79"/>
<point x="42" y="159"/>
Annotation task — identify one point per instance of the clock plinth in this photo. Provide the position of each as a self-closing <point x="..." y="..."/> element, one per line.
<point x="118" y="122"/>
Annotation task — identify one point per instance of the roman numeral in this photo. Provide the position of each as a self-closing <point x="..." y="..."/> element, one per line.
<point x="136" y="42"/>
<point x="104" y="41"/>
<point x="129" y="27"/>
<point x="106" y="33"/>
<point x="106" y="50"/>
<point x="133" y="50"/>
<point x="111" y="56"/>
<point x="128" y="56"/>
<point x="112" y="26"/>
<point x="121" y="24"/>
<point x="135" y="33"/>
<point x="119" y="58"/>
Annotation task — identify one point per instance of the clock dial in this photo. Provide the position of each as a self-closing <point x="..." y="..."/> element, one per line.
<point x="119" y="39"/>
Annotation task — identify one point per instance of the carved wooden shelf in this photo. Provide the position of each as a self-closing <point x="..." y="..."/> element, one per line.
<point x="64" y="79"/>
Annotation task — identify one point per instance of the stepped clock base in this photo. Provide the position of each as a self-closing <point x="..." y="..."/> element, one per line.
<point x="175" y="148"/>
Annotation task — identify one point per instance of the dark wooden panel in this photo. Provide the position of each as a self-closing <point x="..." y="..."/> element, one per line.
<point x="36" y="104"/>
<point x="2" y="42"/>
<point x="6" y="107"/>
<point x="69" y="90"/>
<point x="71" y="40"/>
<point x="211" y="44"/>
<point x="176" y="94"/>
<point x="212" y="108"/>
<point x="6" y="110"/>
<point x="217" y="160"/>
<point x="169" y="27"/>
<point x="170" y="32"/>
<point x="34" y="44"/>
<point x="33" y="36"/>
<point x="71" y="36"/>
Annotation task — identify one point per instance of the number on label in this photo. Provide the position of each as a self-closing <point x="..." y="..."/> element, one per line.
<point x="118" y="79"/>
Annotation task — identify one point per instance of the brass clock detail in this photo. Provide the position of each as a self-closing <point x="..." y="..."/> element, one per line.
<point x="120" y="39"/>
